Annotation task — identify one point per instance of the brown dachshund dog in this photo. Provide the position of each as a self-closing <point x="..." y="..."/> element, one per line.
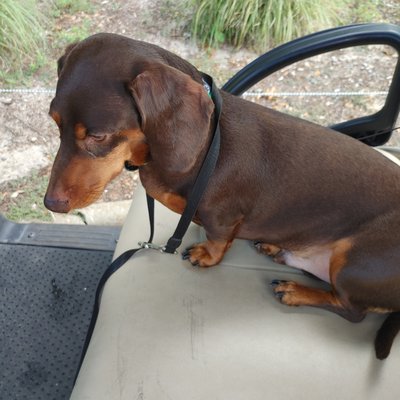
<point x="306" y="195"/>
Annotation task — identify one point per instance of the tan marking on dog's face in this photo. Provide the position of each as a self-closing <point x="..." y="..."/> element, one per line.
<point x="140" y="152"/>
<point x="56" y="117"/>
<point x="80" y="131"/>
<point x="79" y="181"/>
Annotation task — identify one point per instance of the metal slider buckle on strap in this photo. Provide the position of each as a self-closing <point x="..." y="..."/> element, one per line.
<point x="152" y="246"/>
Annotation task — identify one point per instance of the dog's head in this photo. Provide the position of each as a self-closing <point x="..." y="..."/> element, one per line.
<point x="112" y="108"/>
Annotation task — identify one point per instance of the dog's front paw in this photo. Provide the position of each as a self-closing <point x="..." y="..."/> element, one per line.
<point x="205" y="254"/>
<point x="198" y="255"/>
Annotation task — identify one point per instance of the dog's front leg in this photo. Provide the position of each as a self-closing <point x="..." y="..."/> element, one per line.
<point x="208" y="253"/>
<point x="212" y="251"/>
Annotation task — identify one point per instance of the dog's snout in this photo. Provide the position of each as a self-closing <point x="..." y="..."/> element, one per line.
<point x="56" y="204"/>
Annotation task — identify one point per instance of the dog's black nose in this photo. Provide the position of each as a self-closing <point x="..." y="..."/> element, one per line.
<point x="56" y="205"/>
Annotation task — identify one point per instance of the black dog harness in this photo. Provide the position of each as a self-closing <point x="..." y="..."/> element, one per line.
<point x="192" y="204"/>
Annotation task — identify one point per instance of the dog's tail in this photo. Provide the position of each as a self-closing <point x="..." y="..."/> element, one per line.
<point x="386" y="334"/>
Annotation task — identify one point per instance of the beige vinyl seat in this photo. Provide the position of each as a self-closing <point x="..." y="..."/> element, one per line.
<point x="167" y="330"/>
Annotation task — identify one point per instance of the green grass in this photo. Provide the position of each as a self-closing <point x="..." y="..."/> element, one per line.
<point x="260" y="23"/>
<point x="71" y="7"/>
<point x="176" y="16"/>
<point x="362" y="11"/>
<point x="31" y="40"/>
<point x="21" y="34"/>
<point x="22" y="199"/>
<point x="73" y="34"/>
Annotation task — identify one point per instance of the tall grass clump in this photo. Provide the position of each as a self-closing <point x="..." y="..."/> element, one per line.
<point x="260" y="23"/>
<point x="21" y="33"/>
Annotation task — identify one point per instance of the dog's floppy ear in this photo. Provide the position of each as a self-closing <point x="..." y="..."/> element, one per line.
<point x="61" y="60"/>
<point x="175" y="115"/>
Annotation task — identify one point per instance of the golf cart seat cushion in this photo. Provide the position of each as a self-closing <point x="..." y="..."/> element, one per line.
<point x="167" y="330"/>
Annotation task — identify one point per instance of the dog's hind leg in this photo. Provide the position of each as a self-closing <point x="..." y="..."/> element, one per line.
<point x="294" y="294"/>
<point x="326" y="262"/>
<point x="386" y="334"/>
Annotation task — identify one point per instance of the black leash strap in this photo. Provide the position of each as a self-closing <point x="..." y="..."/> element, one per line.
<point x="114" y="266"/>
<point x="205" y="172"/>
<point x="174" y="242"/>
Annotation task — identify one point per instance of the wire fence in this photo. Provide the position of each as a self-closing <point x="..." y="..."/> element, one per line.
<point x="29" y="91"/>
<point x="311" y="94"/>
<point x="245" y="94"/>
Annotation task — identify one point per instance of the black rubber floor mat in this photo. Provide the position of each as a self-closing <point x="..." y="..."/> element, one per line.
<point x="46" y="300"/>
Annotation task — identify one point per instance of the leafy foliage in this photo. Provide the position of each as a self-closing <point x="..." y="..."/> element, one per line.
<point x="21" y="32"/>
<point x="260" y="23"/>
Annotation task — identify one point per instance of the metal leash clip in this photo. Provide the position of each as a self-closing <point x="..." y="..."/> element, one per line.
<point x="161" y="249"/>
<point x="148" y="245"/>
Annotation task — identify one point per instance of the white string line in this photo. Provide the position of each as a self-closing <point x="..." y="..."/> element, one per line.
<point x="25" y="90"/>
<point x="301" y="94"/>
<point x="245" y="94"/>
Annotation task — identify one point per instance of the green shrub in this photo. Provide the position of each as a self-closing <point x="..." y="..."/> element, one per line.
<point x="260" y="23"/>
<point x="21" y="32"/>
